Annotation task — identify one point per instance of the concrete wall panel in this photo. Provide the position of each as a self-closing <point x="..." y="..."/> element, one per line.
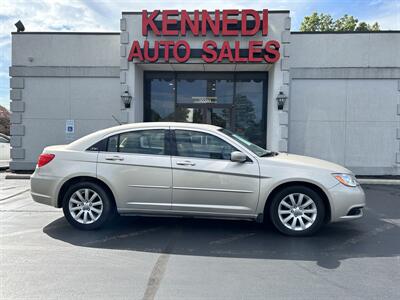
<point x="318" y="100"/>
<point x="371" y="144"/>
<point x="345" y="50"/>
<point x="94" y="98"/>
<point x="371" y="100"/>
<point x="324" y="140"/>
<point x="31" y="49"/>
<point x="351" y="122"/>
<point x="41" y="133"/>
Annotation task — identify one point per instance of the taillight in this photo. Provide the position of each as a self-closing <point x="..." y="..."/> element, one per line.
<point x="44" y="159"/>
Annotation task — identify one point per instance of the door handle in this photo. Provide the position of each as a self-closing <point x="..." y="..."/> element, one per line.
<point x="114" y="158"/>
<point x="185" y="163"/>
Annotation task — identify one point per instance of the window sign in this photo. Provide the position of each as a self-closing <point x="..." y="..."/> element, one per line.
<point x="205" y="99"/>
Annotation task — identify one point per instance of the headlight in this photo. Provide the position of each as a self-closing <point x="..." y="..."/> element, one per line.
<point x="346" y="179"/>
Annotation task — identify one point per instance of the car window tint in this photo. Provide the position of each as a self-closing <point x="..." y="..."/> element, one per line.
<point x="112" y="145"/>
<point x="143" y="141"/>
<point x="201" y="145"/>
<point x="99" y="146"/>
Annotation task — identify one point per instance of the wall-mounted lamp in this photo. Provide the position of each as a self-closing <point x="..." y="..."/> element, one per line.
<point x="126" y="99"/>
<point x="281" y="99"/>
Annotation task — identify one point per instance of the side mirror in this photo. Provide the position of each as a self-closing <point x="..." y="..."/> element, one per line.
<point x="238" y="156"/>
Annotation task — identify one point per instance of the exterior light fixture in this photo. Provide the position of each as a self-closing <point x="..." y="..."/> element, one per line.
<point x="126" y="99"/>
<point x="281" y="99"/>
<point x="20" y="26"/>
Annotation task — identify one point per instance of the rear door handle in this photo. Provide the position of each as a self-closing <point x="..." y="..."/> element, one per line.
<point x="185" y="163"/>
<point x="114" y="158"/>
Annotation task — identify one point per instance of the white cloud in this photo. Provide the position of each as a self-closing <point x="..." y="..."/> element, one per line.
<point x="387" y="14"/>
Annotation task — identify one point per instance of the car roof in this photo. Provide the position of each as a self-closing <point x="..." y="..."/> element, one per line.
<point x="92" y="138"/>
<point x="168" y="124"/>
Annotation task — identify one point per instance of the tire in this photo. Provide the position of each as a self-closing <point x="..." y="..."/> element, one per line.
<point x="97" y="206"/>
<point x="297" y="220"/>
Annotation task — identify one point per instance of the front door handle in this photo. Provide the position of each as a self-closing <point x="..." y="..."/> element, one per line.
<point x="185" y="163"/>
<point x="115" y="158"/>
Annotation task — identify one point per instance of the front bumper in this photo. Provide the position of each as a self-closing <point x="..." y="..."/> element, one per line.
<point x="44" y="189"/>
<point x="347" y="203"/>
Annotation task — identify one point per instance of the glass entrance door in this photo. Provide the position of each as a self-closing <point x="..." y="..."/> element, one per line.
<point x="233" y="100"/>
<point x="205" y="98"/>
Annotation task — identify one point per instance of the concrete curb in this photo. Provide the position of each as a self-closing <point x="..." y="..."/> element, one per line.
<point x="379" y="181"/>
<point x="18" y="176"/>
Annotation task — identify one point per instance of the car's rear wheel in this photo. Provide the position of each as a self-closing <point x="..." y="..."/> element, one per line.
<point x="87" y="205"/>
<point x="297" y="211"/>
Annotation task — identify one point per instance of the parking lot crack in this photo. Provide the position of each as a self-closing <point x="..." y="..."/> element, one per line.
<point x="157" y="274"/>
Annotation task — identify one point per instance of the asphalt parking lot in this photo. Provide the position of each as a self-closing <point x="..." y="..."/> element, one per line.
<point x="170" y="258"/>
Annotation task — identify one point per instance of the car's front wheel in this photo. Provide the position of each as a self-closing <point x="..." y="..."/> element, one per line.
<point x="297" y="211"/>
<point x="87" y="205"/>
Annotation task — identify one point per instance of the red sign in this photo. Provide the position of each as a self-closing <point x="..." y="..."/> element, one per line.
<point x="230" y="22"/>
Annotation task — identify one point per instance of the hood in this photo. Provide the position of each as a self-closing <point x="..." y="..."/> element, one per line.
<point x="308" y="162"/>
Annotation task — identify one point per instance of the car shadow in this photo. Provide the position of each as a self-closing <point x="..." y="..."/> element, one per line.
<point x="372" y="236"/>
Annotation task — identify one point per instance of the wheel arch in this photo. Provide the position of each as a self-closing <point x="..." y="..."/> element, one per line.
<point x="308" y="184"/>
<point x="77" y="179"/>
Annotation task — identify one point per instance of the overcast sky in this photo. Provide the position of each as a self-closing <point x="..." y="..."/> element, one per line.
<point x="104" y="15"/>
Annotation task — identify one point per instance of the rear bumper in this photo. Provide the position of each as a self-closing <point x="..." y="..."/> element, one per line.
<point x="44" y="189"/>
<point x="347" y="203"/>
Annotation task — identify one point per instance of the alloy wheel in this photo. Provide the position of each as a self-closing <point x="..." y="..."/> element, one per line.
<point x="85" y="206"/>
<point x="297" y="211"/>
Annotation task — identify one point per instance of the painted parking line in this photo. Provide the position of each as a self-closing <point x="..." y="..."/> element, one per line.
<point x="14" y="195"/>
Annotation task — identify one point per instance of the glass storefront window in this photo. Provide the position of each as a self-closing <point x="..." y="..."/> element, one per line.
<point x="235" y="101"/>
<point x="249" y="108"/>
<point x="160" y="99"/>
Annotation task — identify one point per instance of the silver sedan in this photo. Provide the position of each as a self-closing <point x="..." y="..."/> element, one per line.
<point x="182" y="169"/>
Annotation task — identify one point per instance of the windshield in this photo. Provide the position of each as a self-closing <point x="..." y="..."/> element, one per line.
<point x="249" y="145"/>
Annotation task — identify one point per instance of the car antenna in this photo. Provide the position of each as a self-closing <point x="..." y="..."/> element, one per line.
<point x="116" y="120"/>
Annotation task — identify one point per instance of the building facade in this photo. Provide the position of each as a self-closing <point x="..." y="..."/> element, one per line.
<point x="339" y="93"/>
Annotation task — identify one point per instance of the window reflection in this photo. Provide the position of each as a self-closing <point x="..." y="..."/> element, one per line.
<point x="162" y="99"/>
<point x="221" y="117"/>
<point x="249" y="110"/>
<point x="189" y="115"/>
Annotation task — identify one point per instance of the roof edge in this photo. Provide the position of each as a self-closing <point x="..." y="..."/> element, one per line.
<point x="278" y="11"/>
<point x="344" y="32"/>
<point x="67" y="32"/>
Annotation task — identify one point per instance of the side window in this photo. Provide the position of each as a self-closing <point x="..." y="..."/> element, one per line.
<point x="143" y="141"/>
<point x="202" y="145"/>
<point x="112" y="144"/>
<point x="99" y="146"/>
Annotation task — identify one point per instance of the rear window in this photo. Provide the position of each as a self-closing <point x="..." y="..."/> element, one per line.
<point x="140" y="141"/>
<point x="144" y="142"/>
